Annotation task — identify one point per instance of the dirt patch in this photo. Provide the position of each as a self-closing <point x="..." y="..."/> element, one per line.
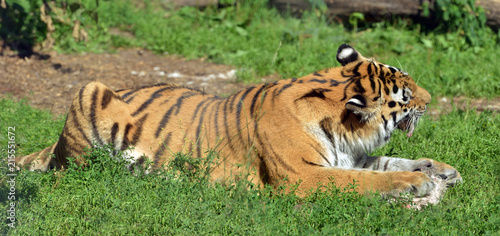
<point x="50" y="81"/>
<point x="446" y="105"/>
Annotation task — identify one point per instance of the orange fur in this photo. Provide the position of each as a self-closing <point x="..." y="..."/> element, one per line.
<point x="306" y="130"/>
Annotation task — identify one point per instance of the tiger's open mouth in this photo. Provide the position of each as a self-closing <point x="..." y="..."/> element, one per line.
<point x="408" y="124"/>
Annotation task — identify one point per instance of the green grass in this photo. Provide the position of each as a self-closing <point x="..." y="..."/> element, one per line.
<point x="107" y="199"/>
<point x="261" y="41"/>
<point x="104" y="198"/>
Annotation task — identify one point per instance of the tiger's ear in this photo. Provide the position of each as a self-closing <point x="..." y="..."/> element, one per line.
<point x="362" y="106"/>
<point x="346" y="54"/>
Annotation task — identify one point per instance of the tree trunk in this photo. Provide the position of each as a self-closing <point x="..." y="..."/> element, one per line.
<point x="193" y="3"/>
<point x="380" y="9"/>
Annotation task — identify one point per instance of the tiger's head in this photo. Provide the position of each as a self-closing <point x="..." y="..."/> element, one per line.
<point x="357" y="106"/>
<point x="376" y="90"/>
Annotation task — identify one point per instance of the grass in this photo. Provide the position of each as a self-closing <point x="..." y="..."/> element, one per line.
<point x="106" y="199"/>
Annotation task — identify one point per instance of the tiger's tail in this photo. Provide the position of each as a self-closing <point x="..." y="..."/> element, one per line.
<point x="42" y="160"/>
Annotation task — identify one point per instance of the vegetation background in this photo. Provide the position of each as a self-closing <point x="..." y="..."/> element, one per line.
<point x="455" y="56"/>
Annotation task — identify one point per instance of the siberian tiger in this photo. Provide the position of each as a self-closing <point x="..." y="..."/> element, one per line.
<point x="307" y="130"/>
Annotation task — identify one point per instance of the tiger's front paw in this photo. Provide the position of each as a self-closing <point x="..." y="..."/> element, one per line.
<point x="438" y="169"/>
<point x="418" y="183"/>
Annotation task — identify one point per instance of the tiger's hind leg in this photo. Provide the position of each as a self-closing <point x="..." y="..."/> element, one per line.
<point x="97" y="116"/>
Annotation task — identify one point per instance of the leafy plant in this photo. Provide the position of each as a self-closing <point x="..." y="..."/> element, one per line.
<point x="462" y="17"/>
<point x="26" y="24"/>
<point x="20" y="24"/>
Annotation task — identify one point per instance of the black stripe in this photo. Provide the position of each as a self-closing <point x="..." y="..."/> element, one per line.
<point x="386" y="88"/>
<point x="255" y="96"/>
<point x="372" y="84"/>
<point x="70" y="148"/>
<point x="211" y="116"/>
<point x="393" y="114"/>
<point x="124" y="96"/>
<point x="385" y="121"/>
<point x="139" y="124"/>
<point x="125" y="141"/>
<point x="344" y="116"/>
<point x="78" y="126"/>
<point x="321" y="81"/>
<point x="386" y="164"/>
<point x="167" y="115"/>
<point x="181" y="99"/>
<point x="159" y="153"/>
<point x="198" y="128"/>
<point x="161" y="150"/>
<point x="316" y="73"/>
<point x="195" y="114"/>
<point x="369" y="68"/>
<point x="76" y="142"/>
<point x="344" y="75"/>
<point x="106" y="98"/>
<point x="239" y="107"/>
<point x="151" y="99"/>
<point x="93" y="118"/>
<point x="379" y="87"/>
<point x="325" y="125"/>
<point x="130" y="99"/>
<point x="286" y="86"/>
<point x="405" y="98"/>
<point x="238" y="114"/>
<point x="114" y="130"/>
<point x="232" y="98"/>
<point x="166" y="140"/>
<point x="216" y="119"/>
<point x="395" y="88"/>
<point x="80" y="98"/>
<point x="351" y="80"/>
<point x="226" y="127"/>
<point x="356" y="68"/>
<point x="321" y="154"/>
<point x="382" y="73"/>
<point x="334" y="83"/>
<point x="121" y="90"/>
<point x="294" y="79"/>
<point x="164" y="121"/>
<point x="310" y="163"/>
<point x="280" y="160"/>
<point x="359" y="88"/>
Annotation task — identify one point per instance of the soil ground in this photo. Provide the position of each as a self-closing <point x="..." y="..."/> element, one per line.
<point x="50" y="80"/>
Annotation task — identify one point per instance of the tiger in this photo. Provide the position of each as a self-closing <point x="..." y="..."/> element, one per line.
<point x="309" y="131"/>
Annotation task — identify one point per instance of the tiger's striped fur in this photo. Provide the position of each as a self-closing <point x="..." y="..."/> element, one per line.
<point x="312" y="129"/>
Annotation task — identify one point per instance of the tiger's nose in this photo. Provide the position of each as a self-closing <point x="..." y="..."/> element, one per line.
<point x="423" y="96"/>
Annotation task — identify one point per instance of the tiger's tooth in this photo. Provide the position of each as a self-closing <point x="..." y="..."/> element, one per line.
<point x="410" y="130"/>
